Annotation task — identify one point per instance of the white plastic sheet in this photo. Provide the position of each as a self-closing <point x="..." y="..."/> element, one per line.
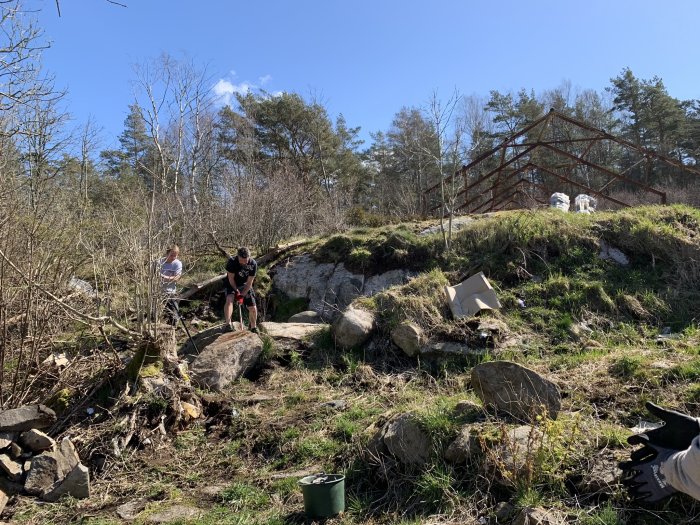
<point x="584" y="204"/>
<point x="559" y="201"/>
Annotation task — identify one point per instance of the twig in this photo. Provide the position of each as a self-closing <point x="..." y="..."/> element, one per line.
<point x="218" y="246"/>
<point x="109" y="344"/>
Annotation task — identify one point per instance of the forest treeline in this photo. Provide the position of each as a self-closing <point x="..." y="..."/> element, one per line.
<point x="267" y="167"/>
<point x="264" y="168"/>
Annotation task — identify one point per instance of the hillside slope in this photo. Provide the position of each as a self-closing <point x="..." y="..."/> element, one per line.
<point x="610" y="336"/>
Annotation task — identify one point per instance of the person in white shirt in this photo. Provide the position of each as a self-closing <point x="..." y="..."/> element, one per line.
<point x="170" y="272"/>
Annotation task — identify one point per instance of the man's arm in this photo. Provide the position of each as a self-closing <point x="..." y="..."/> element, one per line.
<point x="248" y="285"/>
<point x="682" y="470"/>
<point x="231" y="279"/>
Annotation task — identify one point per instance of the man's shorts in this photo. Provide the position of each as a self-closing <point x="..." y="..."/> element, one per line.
<point x="248" y="300"/>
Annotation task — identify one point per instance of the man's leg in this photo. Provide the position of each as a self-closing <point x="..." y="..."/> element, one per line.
<point x="252" y="315"/>
<point x="228" y="309"/>
<point x="172" y="311"/>
<point x="252" y="310"/>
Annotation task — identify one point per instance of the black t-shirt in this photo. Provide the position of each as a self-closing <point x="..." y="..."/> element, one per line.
<point x="241" y="272"/>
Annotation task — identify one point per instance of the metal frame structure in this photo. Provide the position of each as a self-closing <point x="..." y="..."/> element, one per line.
<point x="526" y="174"/>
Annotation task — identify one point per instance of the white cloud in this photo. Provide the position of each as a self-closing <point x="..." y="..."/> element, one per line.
<point x="225" y="89"/>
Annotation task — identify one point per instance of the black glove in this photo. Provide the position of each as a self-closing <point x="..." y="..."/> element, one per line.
<point x="677" y="433"/>
<point x="642" y="475"/>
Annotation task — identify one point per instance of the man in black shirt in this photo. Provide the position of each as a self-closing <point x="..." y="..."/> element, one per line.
<point x="240" y="274"/>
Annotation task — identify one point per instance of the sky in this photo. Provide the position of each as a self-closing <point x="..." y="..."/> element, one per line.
<point x="365" y="59"/>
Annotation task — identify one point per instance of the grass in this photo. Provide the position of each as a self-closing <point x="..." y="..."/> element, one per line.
<point x="243" y="496"/>
<point x="435" y="489"/>
<point x="688" y="371"/>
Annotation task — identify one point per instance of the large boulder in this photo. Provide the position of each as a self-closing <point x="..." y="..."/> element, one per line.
<point x="226" y="359"/>
<point x="516" y="390"/>
<point x="26" y="418"/>
<point x="66" y="456"/>
<point x="409" y="337"/>
<point x="353" y="328"/>
<point x="329" y="287"/>
<point x="50" y="468"/>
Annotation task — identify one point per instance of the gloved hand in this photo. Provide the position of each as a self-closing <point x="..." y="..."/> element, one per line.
<point x="238" y="297"/>
<point x="677" y="433"/>
<point x="642" y="475"/>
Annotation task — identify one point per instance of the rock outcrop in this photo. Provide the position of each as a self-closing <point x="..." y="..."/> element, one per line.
<point x="295" y="331"/>
<point x="329" y="287"/>
<point x="307" y="316"/>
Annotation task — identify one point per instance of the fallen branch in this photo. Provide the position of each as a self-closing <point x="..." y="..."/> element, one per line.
<point x="280" y="250"/>
<point x="202" y="287"/>
<point x="195" y="289"/>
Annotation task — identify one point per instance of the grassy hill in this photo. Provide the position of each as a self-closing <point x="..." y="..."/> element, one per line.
<point x="610" y="336"/>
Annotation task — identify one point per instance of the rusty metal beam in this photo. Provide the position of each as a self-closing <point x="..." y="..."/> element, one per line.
<point x="511" y="174"/>
<point x="606" y="171"/>
<point x="497" y="195"/>
<point x="627" y="143"/>
<point x="516" y="184"/>
<point x="488" y="175"/>
<point x="578" y="184"/>
<point x="501" y="205"/>
<point x="503" y="173"/>
<point x="493" y="150"/>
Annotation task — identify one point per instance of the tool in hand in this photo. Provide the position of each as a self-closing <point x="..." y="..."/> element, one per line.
<point x="239" y="301"/>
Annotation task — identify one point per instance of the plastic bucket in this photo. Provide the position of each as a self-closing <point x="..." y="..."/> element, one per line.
<point x="324" y="495"/>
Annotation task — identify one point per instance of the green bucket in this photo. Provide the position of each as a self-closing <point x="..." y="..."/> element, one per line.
<point x="324" y="495"/>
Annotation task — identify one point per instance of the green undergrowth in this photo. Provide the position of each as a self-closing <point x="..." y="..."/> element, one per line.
<point x="372" y="251"/>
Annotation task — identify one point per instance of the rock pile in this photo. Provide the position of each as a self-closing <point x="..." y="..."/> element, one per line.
<point x="33" y="463"/>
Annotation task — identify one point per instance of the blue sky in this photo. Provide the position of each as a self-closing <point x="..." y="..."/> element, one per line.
<point x="367" y="59"/>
